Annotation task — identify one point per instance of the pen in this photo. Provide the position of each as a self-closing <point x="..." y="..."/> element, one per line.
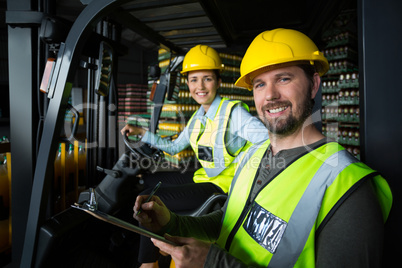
<point x="150" y="196"/>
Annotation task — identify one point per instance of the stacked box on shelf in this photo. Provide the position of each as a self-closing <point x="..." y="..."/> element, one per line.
<point x="139" y="120"/>
<point x="340" y="86"/>
<point x="163" y="54"/>
<point x="230" y="73"/>
<point x="132" y="99"/>
<point x="169" y="128"/>
<point x="184" y="157"/>
<point x="165" y="130"/>
<point x="69" y="115"/>
<point x="136" y="96"/>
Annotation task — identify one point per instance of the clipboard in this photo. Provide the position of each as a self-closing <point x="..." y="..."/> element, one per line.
<point x="123" y="224"/>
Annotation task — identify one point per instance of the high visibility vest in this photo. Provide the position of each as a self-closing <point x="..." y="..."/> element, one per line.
<point x="297" y="201"/>
<point x="209" y="145"/>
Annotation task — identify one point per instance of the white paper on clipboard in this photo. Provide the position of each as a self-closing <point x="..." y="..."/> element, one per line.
<point x="123" y="224"/>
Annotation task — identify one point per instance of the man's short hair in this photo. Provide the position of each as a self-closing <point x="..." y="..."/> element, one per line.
<point x="309" y="71"/>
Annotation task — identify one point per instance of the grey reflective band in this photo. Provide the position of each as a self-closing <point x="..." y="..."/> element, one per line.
<point x="305" y="213"/>
<point x="218" y="154"/>
<point x="218" y="150"/>
<point x="250" y="152"/>
<point x="193" y="119"/>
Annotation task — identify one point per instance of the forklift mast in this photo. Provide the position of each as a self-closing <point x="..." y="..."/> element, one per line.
<point x="58" y="92"/>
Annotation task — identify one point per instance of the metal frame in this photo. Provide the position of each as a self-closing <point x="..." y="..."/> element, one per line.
<point x="24" y="59"/>
<point x="380" y="57"/>
<point x="80" y="31"/>
<point x="163" y="86"/>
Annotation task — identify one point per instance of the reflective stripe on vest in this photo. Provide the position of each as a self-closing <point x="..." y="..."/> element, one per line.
<point x="332" y="173"/>
<point x="305" y="214"/>
<point x="221" y="159"/>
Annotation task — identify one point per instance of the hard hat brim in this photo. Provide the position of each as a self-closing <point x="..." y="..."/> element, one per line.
<point x="199" y="68"/>
<point x="246" y="80"/>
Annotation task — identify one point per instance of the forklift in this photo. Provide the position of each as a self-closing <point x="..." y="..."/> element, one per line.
<point x="72" y="238"/>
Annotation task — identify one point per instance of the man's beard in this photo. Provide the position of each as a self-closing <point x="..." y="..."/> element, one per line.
<point x="285" y="126"/>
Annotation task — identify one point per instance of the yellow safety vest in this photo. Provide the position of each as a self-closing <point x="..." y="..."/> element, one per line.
<point x="208" y="143"/>
<point x="297" y="200"/>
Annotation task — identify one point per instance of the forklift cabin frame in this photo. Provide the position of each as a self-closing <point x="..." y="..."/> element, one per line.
<point x="59" y="91"/>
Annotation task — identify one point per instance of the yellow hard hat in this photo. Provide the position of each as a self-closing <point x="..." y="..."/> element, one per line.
<point x="279" y="47"/>
<point x="201" y="57"/>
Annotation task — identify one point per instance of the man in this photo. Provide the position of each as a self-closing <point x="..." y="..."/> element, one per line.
<point x="217" y="133"/>
<point x="298" y="199"/>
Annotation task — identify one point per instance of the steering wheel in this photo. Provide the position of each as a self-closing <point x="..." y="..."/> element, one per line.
<point x="142" y="150"/>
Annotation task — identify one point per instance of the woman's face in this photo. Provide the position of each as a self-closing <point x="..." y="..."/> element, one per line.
<point x="203" y="85"/>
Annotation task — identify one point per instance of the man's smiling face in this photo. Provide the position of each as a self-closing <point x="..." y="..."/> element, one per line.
<point x="283" y="99"/>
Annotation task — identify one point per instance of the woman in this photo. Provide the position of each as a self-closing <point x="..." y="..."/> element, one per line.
<point x="217" y="132"/>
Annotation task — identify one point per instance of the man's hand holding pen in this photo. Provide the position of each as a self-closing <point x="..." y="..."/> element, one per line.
<point x="150" y="195"/>
<point x="151" y="212"/>
<point x="154" y="216"/>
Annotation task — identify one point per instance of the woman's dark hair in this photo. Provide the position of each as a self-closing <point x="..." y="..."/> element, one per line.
<point x="217" y="74"/>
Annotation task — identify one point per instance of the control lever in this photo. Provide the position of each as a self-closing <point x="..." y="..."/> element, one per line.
<point x="92" y="203"/>
<point x="110" y="172"/>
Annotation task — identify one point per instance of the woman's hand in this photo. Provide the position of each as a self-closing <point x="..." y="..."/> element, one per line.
<point x="154" y="214"/>
<point x="132" y="130"/>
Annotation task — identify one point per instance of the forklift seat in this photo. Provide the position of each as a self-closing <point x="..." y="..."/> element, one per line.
<point x="214" y="202"/>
